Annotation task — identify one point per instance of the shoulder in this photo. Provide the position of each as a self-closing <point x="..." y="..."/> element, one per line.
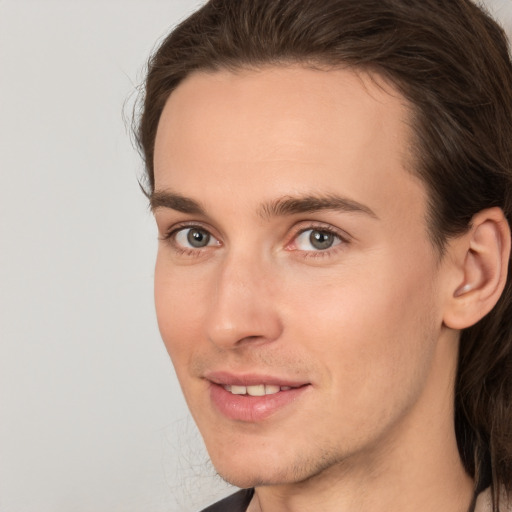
<point x="484" y="502"/>
<point x="237" y="502"/>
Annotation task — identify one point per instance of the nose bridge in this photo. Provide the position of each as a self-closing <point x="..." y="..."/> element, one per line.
<point x="242" y="307"/>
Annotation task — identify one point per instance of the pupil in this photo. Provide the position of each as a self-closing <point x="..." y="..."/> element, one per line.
<point x="198" y="238"/>
<point x="321" y="240"/>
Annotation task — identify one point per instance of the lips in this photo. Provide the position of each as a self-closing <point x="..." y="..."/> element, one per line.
<point x="251" y="379"/>
<point x="253" y="398"/>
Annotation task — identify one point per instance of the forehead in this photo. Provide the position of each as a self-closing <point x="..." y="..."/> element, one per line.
<point x="298" y="129"/>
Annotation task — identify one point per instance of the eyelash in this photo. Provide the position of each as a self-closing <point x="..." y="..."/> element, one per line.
<point x="190" y="252"/>
<point x="170" y="237"/>
<point x="321" y="228"/>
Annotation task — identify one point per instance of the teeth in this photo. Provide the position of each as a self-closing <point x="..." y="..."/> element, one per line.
<point x="271" y="390"/>
<point x="238" y="390"/>
<point x="257" y="390"/>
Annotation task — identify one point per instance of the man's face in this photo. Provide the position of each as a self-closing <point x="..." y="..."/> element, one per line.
<point x="294" y="260"/>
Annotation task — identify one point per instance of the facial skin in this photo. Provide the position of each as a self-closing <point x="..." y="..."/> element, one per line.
<point x="355" y="317"/>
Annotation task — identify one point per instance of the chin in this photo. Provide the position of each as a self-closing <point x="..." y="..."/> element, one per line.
<point x="245" y="471"/>
<point x="248" y="477"/>
<point x="245" y="481"/>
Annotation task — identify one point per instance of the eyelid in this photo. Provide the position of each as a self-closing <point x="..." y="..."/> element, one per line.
<point x="343" y="237"/>
<point x="170" y="233"/>
<point x="181" y="238"/>
<point x="179" y="226"/>
<point x="299" y="228"/>
<point x="336" y="240"/>
<point x="319" y="226"/>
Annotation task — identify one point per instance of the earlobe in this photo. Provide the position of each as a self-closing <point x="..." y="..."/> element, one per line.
<point x="483" y="258"/>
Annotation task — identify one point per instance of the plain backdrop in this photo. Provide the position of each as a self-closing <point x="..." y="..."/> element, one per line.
<point x="91" y="415"/>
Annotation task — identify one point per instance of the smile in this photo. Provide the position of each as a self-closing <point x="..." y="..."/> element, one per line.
<point x="254" y="398"/>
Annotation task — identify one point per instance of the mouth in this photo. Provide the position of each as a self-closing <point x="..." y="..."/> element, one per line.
<point x="256" y="390"/>
<point x="253" y="398"/>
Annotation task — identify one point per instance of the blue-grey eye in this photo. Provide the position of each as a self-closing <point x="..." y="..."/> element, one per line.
<point x="316" y="240"/>
<point x="195" y="238"/>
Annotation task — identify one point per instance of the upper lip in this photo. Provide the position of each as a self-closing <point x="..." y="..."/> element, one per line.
<point x="225" y="378"/>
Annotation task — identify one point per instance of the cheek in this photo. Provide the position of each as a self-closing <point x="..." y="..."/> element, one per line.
<point x="373" y="327"/>
<point x="179" y="298"/>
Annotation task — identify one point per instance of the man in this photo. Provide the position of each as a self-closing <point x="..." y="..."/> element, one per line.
<point x="332" y="185"/>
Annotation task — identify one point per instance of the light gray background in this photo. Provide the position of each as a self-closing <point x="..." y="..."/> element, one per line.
<point x="91" y="417"/>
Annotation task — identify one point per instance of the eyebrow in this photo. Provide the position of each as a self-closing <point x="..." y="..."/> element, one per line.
<point x="291" y="205"/>
<point x="164" y="199"/>
<point x="288" y="205"/>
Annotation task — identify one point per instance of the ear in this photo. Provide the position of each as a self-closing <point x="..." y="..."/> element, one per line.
<point x="481" y="258"/>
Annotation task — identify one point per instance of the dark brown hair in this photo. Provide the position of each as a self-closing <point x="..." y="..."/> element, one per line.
<point x="451" y="61"/>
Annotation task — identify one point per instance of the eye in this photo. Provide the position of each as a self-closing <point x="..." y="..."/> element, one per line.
<point x="316" y="240"/>
<point x="194" y="238"/>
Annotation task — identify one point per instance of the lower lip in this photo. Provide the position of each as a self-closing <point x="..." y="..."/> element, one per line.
<point x="252" y="409"/>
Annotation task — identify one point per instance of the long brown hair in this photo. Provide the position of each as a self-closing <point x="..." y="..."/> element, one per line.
<point x="451" y="61"/>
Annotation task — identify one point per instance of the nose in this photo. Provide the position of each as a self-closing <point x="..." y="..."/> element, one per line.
<point x="243" y="307"/>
